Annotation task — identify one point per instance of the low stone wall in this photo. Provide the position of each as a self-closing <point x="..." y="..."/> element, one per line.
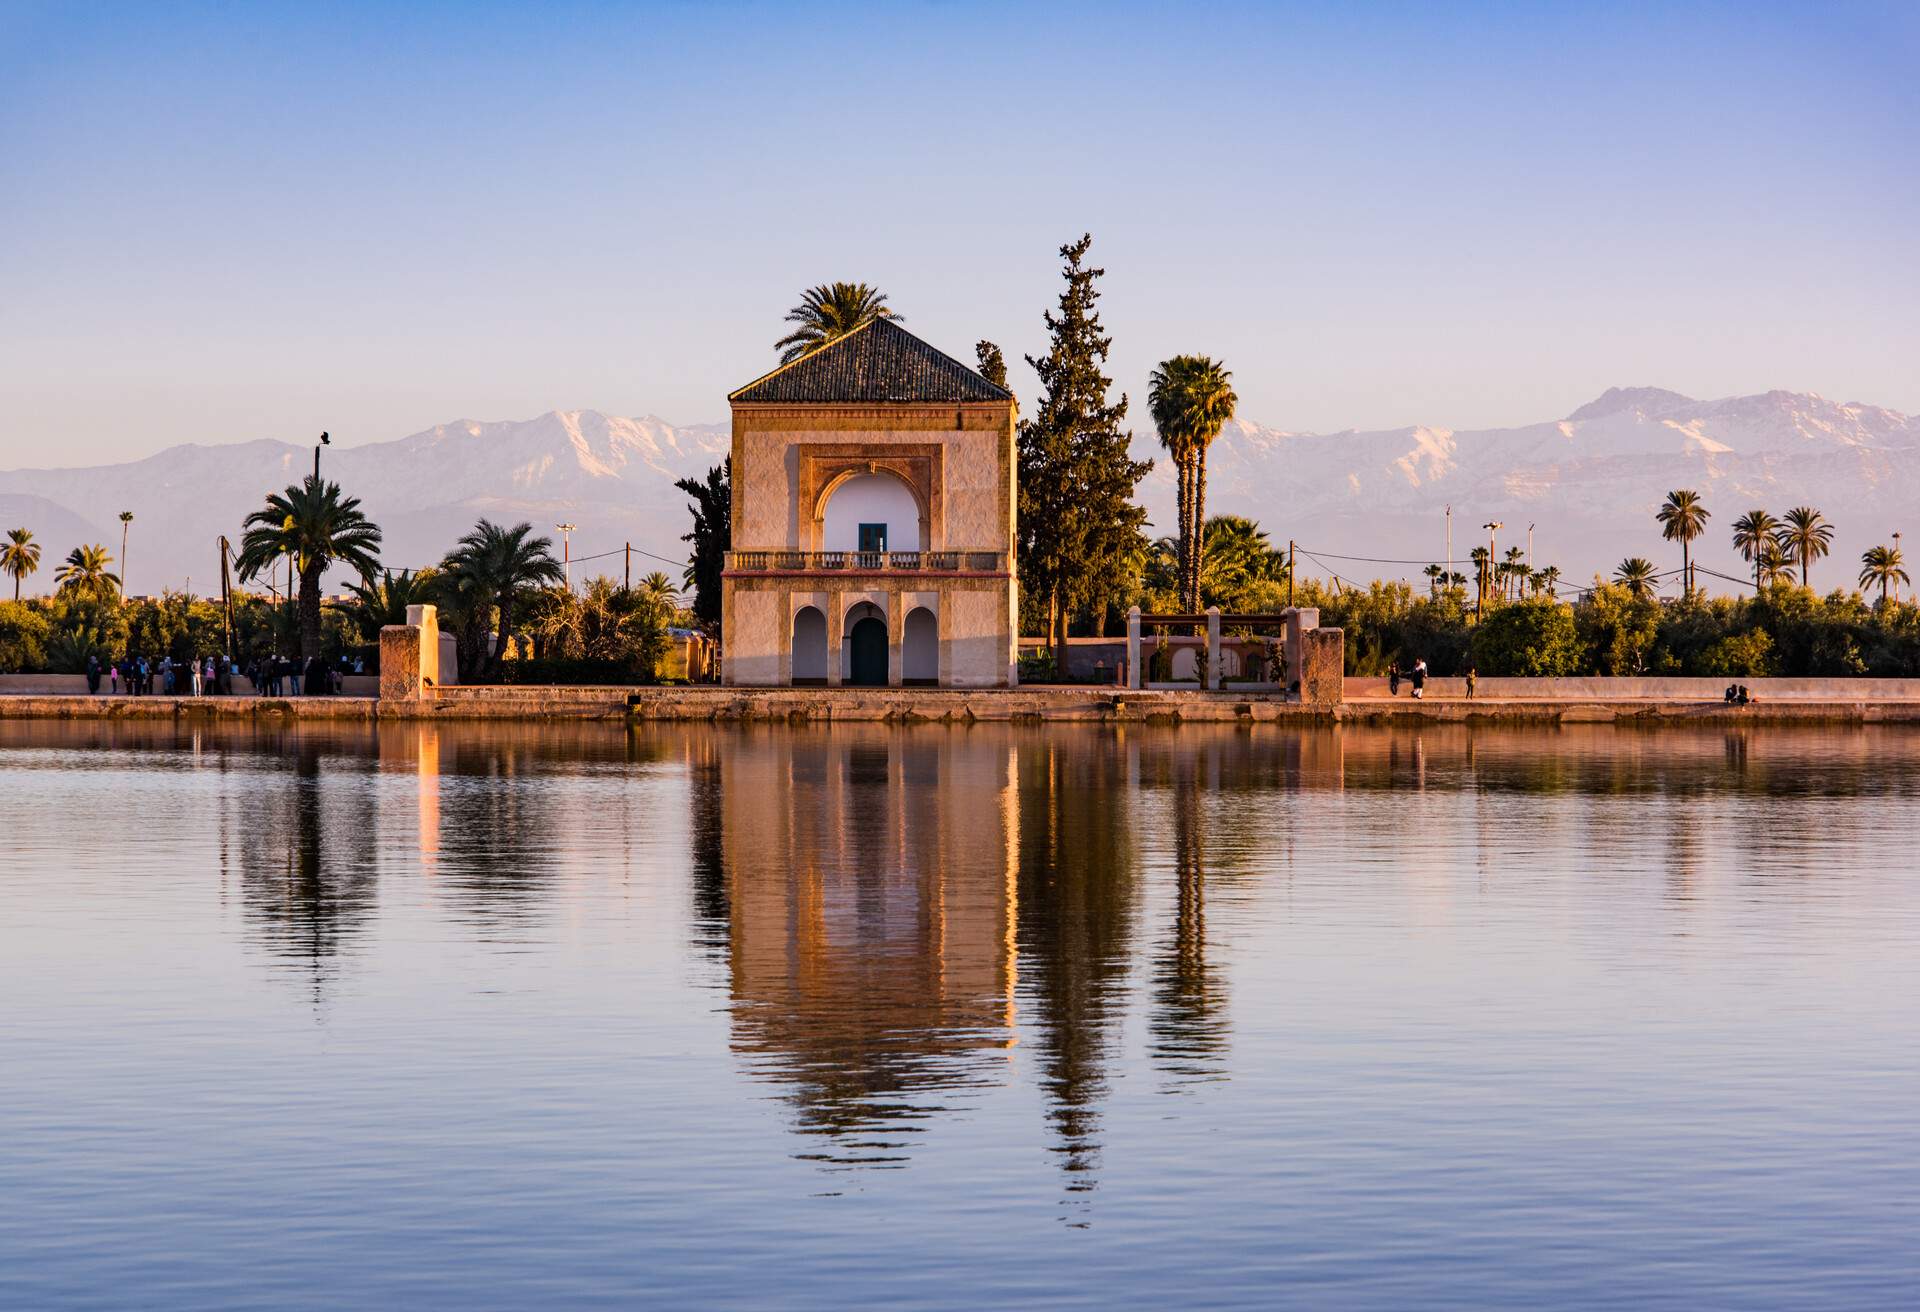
<point x="75" y="685"/>
<point x="1650" y="689"/>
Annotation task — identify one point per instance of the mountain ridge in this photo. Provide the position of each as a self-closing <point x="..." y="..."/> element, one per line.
<point x="1589" y="483"/>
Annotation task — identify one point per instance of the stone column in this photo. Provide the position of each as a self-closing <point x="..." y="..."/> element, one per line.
<point x="1133" y="647"/>
<point x="1213" y="649"/>
<point x="410" y="656"/>
<point x="836" y="628"/>
<point x="896" y="634"/>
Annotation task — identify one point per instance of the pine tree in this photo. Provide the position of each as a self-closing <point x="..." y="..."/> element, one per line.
<point x="1079" y="524"/>
<point x="712" y="537"/>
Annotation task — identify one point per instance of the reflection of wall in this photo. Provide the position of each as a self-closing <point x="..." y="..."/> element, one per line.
<point x="869" y="896"/>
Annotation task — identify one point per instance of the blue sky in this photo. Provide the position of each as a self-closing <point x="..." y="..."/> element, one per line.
<point x="225" y="222"/>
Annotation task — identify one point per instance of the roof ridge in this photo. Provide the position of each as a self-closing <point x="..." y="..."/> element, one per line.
<point x="785" y="365"/>
<point x="871" y="365"/>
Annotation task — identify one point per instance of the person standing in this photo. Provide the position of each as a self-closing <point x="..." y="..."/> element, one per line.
<point x="293" y="678"/>
<point x="1393" y="679"/>
<point x="1419" y="678"/>
<point x="1472" y="680"/>
<point x="93" y="676"/>
<point x="113" y="678"/>
<point x="193" y="675"/>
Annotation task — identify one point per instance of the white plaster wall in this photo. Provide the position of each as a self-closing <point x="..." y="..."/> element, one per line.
<point x="978" y="641"/>
<point x="872" y="499"/>
<point x="759" y="634"/>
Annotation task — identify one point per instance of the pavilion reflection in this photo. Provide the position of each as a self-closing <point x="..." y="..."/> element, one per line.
<point x="863" y="874"/>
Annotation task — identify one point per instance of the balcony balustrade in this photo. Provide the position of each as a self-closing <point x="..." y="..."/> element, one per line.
<point x="867" y="562"/>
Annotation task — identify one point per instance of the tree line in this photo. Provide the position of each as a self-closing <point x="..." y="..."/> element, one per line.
<point x="499" y="590"/>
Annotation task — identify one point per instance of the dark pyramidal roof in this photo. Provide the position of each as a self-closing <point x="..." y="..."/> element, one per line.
<point x="878" y="361"/>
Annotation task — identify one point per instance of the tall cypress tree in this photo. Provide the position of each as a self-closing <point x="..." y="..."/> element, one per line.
<point x="1079" y="524"/>
<point x="712" y="537"/>
<point x="993" y="365"/>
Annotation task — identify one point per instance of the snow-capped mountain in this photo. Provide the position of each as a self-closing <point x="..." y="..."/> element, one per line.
<point x="612" y="477"/>
<point x="1589" y="483"/>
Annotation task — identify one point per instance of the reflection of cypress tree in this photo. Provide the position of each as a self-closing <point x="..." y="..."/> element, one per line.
<point x="1077" y="884"/>
<point x="712" y="905"/>
<point x="1189" y="1023"/>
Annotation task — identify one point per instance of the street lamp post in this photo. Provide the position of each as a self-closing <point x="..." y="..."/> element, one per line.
<point x="1896" y="564"/>
<point x="126" y="522"/>
<point x="324" y="441"/>
<point x="1492" y="526"/>
<point x="566" y="551"/>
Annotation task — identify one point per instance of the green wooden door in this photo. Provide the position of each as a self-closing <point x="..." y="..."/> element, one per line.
<point x="868" y="660"/>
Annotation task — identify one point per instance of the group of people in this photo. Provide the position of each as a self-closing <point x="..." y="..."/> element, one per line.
<point x="1417" y="676"/>
<point x="1737" y="695"/>
<point x="216" y="676"/>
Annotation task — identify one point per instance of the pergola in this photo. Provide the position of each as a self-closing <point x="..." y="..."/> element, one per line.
<point x="1293" y="623"/>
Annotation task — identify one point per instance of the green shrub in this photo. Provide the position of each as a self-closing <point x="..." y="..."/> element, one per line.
<point x="1744" y="656"/>
<point x="1535" y="638"/>
<point x="24" y="633"/>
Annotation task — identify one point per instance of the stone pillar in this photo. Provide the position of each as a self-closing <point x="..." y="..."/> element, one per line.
<point x="836" y="630"/>
<point x="896" y="636"/>
<point x="1300" y="620"/>
<point x="1323" y="657"/>
<point x="1213" y="649"/>
<point x="1133" y="647"/>
<point x="410" y="656"/>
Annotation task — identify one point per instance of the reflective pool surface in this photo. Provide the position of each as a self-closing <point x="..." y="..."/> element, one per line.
<point x="536" y="1016"/>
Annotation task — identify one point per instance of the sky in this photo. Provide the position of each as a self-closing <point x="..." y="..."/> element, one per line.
<point x="228" y="222"/>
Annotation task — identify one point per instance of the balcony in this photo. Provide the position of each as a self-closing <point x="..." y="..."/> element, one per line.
<point x="866" y="562"/>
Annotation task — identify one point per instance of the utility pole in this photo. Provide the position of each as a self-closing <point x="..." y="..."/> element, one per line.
<point x="1289" y="572"/>
<point x="1449" y="579"/>
<point x="1896" y="564"/>
<point x="1529" y="548"/>
<point x="566" y="551"/>
<point x="629" y="587"/>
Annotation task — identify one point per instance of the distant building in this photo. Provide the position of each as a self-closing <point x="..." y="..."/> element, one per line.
<point x="873" y="520"/>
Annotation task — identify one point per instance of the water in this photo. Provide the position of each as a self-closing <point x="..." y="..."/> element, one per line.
<point x="539" y="1016"/>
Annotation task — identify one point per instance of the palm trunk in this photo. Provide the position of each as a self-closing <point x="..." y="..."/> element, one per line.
<point x="1183" y="534"/>
<point x="1057" y="629"/>
<point x="1199" y="523"/>
<point x="310" y="611"/>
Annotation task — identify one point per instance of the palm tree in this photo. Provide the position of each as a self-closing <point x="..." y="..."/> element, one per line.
<point x="1682" y="520"/>
<point x="1882" y="565"/>
<point x="1191" y="399"/>
<point x="491" y="567"/>
<point x="1805" y="534"/>
<point x="828" y="313"/>
<point x="1514" y="567"/>
<point x="1434" y="573"/>
<point x="84" y="573"/>
<point x="1482" y="572"/>
<point x="1771" y="564"/>
<point x="1751" y="533"/>
<point x="126" y="522"/>
<point x="1546" y="580"/>
<point x="378" y="604"/>
<point x="1635" y="574"/>
<point x="313" y="525"/>
<point x="20" y="557"/>
<point x="656" y="589"/>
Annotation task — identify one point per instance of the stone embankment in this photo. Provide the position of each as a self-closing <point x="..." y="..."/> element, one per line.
<point x="962" y="706"/>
